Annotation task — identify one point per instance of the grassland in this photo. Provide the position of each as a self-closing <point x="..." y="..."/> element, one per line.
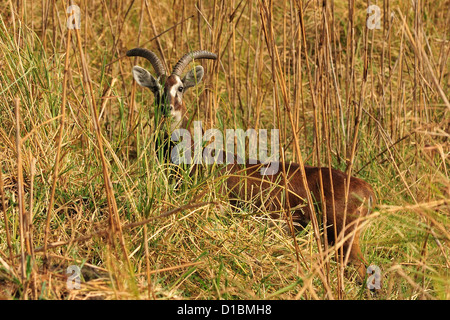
<point x="80" y="182"/>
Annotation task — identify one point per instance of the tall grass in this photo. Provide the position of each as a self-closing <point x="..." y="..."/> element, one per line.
<point x="80" y="180"/>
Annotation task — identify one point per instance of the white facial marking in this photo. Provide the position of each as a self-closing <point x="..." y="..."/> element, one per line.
<point x="176" y="115"/>
<point x="173" y="91"/>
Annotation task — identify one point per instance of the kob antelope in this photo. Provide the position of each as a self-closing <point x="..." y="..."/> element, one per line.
<point x="246" y="182"/>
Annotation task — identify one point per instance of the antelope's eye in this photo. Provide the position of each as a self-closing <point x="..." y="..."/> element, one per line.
<point x="180" y="89"/>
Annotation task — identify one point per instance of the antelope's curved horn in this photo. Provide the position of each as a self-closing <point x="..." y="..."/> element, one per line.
<point x="188" y="57"/>
<point x="150" y="56"/>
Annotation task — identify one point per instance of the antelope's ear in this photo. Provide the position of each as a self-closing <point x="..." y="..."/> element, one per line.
<point x="193" y="77"/>
<point x="145" y="79"/>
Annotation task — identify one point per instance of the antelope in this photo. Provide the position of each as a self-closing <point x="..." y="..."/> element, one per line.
<point x="169" y="90"/>
<point x="248" y="182"/>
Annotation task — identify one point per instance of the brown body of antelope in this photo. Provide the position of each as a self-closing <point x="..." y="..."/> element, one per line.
<point x="268" y="192"/>
<point x="246" y="182"/>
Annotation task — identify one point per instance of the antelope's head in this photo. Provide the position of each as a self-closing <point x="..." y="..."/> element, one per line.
<point x="169" y="89"/>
